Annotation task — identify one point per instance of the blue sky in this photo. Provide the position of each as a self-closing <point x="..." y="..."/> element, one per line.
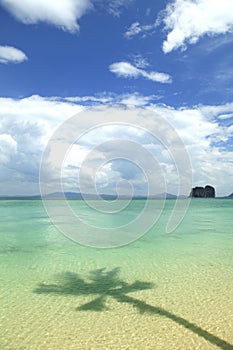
<point x="173" y="56"/>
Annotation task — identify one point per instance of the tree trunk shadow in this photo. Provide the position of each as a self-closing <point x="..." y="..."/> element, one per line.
<point x="144" y="307"/>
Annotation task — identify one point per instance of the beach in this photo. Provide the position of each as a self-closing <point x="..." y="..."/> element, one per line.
<point x="170" y="291"/>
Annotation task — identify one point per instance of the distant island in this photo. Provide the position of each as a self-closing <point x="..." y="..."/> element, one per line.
<point x="203" y="192"/>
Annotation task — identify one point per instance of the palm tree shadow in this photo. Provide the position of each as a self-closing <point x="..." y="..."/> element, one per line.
<point x="103" y="284"/>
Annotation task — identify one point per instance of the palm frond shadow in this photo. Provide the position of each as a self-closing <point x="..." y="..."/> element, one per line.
<point x="103" y="284"/>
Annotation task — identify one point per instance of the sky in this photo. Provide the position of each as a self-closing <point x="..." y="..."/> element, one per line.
<point x="173" y="58"/>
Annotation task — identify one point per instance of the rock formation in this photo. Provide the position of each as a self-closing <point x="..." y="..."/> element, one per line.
<point x="203" y="192"/>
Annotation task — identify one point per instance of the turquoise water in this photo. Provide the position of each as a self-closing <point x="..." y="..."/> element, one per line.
<point x="161" y="292"/>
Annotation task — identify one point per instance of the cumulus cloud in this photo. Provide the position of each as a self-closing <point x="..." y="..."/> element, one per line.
<point x="207" y="141"/>
<point x="127" y="70"/>
<point x="199" y="128"/>
<point x="62" y="13"/>
<point x="26" y="125"/>
<point x="9" y="54"/>
<point x="187" y="21"/>
<point x="8" y="147"/>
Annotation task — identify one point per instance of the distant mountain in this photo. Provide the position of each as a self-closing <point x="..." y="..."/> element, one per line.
<point x="77" y="195"/>
<point x="227" y="197"/>
<point x="59" y="195"/>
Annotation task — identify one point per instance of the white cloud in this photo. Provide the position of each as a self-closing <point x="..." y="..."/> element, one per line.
<point x="9" y="54"/>
<point x="134" y="99"/>
<point x="206" y="140"/>
<point x="127" y="70"/>
<point x="199" y="128"/>
<point x="62" y="13"/>
<point x="133" y="30"/>
<point x="8" y="147"/>
<point x="105" y="98"/>
<point x="115" y="7"/>
<point x="226" y="116"/>
<point x="137" y="28"/>
<point x="187" y="21"/>
<point x="124" y="69"/>
<point x="140" y="61"/>
<point x="26" y="125"/>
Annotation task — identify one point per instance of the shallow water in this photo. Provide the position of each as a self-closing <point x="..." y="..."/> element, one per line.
<point x="160" y="292"/>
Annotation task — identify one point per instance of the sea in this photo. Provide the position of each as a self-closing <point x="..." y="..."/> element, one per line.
<point x="164" y="291"/>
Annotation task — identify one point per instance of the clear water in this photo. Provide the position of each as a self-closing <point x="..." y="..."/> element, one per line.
<point x="161" y="292"/>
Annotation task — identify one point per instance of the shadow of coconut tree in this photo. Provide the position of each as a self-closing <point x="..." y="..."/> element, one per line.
<point x="103" y="284"/>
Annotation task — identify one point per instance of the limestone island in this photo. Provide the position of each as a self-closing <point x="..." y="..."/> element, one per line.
<point x="203" y="192"/>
